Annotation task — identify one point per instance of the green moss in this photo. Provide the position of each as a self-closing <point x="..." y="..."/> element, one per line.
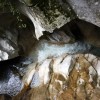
<point x="51" y="7"/>
<point x="6" y="6"/>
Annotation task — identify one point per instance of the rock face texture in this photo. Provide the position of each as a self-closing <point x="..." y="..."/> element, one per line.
<point x="87" y="10"/>
<point x="68" y="77"/>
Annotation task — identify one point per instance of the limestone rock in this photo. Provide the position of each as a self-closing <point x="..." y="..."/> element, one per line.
<point x="68" y="77"/>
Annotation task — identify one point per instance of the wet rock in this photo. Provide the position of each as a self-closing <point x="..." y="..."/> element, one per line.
<point x="68" y="77"/>
<point x="79" y="82"/>
<point x="10" y="84"/>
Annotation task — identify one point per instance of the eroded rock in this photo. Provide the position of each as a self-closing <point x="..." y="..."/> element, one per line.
<point x="79" y="82"/>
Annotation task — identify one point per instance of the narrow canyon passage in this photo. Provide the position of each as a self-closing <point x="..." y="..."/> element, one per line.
<point x="49" y="50"/>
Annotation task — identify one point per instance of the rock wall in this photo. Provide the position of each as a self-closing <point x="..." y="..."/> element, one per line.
<point x="69" y="77"/>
